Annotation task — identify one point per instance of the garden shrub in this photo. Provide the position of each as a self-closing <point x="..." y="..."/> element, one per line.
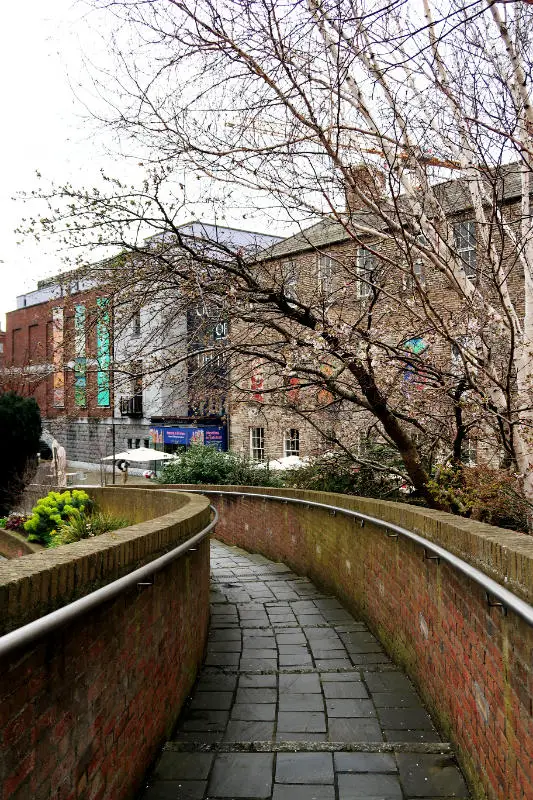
<point x="82" y="525"/>
<point x="338" y="472"/>
<point x="20" y="430"/>
<point x="15" y="522"/>
<point x="202" y="464"/>
<point x="51" y="511"/>
<point x="483" y="493"/>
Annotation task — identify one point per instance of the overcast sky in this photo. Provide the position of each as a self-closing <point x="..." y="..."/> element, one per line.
<point x="47" y="128"/>
<point x="42" y="127"/>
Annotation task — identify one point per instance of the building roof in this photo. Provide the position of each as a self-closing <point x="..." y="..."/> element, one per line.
<point x="76" y="280"/>
<point x="454" y="196"/>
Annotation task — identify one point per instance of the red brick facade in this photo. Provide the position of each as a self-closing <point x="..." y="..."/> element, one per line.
<point x="30" y="346"/>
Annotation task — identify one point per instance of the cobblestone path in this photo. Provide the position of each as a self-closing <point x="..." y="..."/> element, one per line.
<point x="297" y="701"/>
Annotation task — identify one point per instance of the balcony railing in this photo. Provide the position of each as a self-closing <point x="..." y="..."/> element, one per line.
<point x="131" y="406"/>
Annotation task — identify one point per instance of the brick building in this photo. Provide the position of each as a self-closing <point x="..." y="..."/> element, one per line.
<point x="2" y="347"/>
<point x="59" y="350"/>
<point x="93" y="361"/>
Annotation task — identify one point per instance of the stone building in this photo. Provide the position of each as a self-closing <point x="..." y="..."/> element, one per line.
<point x="378" y="280"/>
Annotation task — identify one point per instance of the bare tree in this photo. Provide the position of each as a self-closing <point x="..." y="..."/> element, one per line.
<point x="410" y="126"/>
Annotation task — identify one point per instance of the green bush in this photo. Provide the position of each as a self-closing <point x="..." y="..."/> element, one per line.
<point x="20" y="431"/>
<point x="338" y="472"/>
<point x="15" y="522"/>
<point x="202" y="464"/>
<point x="51" y="511"/>
<point x="82" y="525"/>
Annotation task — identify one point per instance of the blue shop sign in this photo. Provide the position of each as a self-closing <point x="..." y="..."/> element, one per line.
<point x="209" y="435"/>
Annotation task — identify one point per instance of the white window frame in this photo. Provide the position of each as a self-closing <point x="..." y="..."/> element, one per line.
<point x="464" y="234"/>
<point x="257" y="444"/>
<point x="290" y="279"/>
<point x="324" y="272"/>
<point x="467" y="342"/>
<point x="366" y="265"/>
<point x="291" y="444"/>
<point x="469" y="451"/>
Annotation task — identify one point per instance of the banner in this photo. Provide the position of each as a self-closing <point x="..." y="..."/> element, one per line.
<point x="214" y="436"/>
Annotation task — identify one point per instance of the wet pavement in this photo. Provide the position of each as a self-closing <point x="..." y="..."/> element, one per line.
<point x="297" y="701"/>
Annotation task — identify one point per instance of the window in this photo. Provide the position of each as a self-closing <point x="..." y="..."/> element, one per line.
<point x="212" y="361"/>
<point x="147" y="443"/>
<point x="464" y="351"/>
<point x="137" y="378"/>
<point x="130" y="444"/>
<point x="103" y="351"/>
<point x="361" y="443"/>
<point x="289" y="278"/>
<point x="137" y="443"/>
<point x="257" y="384"/>
<point x="292" y="442"/>
<point x="257" y="444"/>
<point x="136" y="322"/>
<point x="469" y="451"/>
<point x="366" y="265"/>
<point x="325" y="273"/>
<point x="292" y="384"/>
<point x="416" y="277"/>
<point x="1" y="347"/>
<point x="464" y="234"/>
<point x="413" y="372"/>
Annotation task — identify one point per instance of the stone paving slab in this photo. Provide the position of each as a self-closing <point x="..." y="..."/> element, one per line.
<point x="298" y="701"/>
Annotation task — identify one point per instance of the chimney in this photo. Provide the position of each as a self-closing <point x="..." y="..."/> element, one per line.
<point x="366" y="178"/>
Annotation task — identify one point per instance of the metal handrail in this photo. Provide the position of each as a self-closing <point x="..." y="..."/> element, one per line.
<point x="496" y="594"/>
<point x="38" y="628"/>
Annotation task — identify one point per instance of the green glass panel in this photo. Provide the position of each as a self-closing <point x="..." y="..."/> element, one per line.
<point x="103" y="352"/>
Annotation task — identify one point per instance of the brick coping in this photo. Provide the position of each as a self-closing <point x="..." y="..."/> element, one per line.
<point x="35" y="584"/>
<point x="504" y="555"/>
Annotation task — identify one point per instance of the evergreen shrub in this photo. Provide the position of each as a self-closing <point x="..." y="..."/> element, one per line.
<point x="53" y="510"/>
<point x="203" y="464"/>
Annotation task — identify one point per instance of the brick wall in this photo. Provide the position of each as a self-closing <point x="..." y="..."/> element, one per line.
<point x="84" y="711"/>
<point x="471" y="663"/>
<point x="13" y="545"/>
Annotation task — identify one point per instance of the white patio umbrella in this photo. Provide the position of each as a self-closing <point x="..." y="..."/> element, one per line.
<point x="140" y="454"/>
<point x="287" y="462"/>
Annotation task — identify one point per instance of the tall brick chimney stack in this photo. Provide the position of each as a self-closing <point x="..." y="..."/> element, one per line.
<point x="368" y="179"/>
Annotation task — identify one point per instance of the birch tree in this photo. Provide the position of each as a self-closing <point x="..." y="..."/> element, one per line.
<point x="274" y="108"/>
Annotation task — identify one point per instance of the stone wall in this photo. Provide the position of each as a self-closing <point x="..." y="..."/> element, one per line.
<point x="89" y="440"/>
<point x="471" y="663"/>
<point x="84" y="710"/>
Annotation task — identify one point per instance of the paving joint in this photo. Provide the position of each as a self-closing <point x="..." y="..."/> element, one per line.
<point x="309" y="747"/>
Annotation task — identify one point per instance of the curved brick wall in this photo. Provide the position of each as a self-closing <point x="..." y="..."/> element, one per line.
<point x="84" y="711"/>
<point x="472" y="664"/>
<point x="13" y="545"/>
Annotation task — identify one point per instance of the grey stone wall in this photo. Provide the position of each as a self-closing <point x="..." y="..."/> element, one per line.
<point x="90" y="440"/>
